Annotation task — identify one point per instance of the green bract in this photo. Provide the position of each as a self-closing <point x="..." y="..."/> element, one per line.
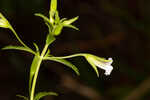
<point x="55" y="26"/>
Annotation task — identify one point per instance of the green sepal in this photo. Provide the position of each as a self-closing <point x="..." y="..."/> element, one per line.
<point x="65" y="62"/>
<point x="43" y="94"/>
<point x="92" y="64"/>
<point x="4" y="22"/>
<point x="19" y="48"/>
<point x="99" y="58"/>
<point x="23" y="97"/>
<point x="94" y="67"/>
<point x="102" y="59"/>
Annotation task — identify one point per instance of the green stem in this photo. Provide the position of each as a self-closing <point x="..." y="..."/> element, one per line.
<point x="11" y="28"/>
<point x="37" y="71"/>
<point x="34" y="80"/>
<point x="70" y="56"/>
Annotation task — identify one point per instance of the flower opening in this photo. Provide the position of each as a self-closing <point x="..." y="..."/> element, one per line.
<point x="102" y="63"/>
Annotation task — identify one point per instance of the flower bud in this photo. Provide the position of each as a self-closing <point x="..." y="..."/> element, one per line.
<point x="3" y="22"/>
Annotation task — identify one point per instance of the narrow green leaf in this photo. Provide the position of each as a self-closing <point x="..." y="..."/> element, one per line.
<point x="33" y="69"/>
<point x="65" y="62"/>
<point x="42" y="16"/>
<point x="23" y="97"/>
<point x="71" y="26"/>
<point x="94" y="67"/>
<point x="70" y="21"/>
<point x="19" y="48"/>
<point x="62" y="20"/>
<point x="42" y="94"/>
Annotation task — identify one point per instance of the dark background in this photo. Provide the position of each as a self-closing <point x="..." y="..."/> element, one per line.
<point x="108" y="28"/>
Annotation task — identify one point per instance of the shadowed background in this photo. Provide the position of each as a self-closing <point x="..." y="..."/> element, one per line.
<point x="108" y="28"/>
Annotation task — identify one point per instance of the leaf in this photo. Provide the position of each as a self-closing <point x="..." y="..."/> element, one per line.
<point x="33" y="69"/>
<point x="65" y="62"/>
<point x="23" y="97"/>
<point x="70" y="21"/>
<point x="62" y="20"/>
<point x="94" y="67"/>
<point x="42" y="16"/>
<point x="71" y="26"/>
<point x="42" y="94"/>
<point x="18" y="48"/>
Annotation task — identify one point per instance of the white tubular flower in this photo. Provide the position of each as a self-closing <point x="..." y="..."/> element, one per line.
<point x="105" y="66"/>
<point x="101" y="63"/>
